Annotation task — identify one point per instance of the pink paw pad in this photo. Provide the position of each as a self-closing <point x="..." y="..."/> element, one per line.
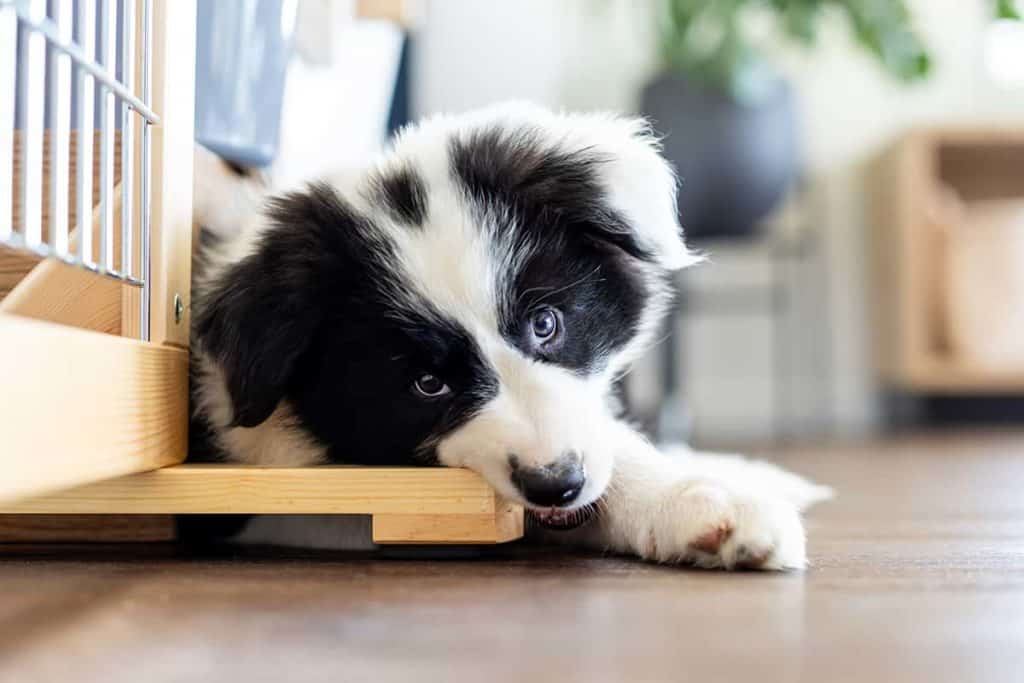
<point x="711" y="541"/>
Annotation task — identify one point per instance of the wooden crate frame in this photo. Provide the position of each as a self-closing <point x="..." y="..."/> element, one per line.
<point x="94" y="422"/>
<point x="408" y="504"/>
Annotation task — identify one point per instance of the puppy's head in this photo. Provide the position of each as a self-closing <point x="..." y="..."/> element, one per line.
<point x="469" y="300"/>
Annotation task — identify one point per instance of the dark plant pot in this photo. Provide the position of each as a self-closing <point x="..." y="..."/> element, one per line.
<point x="735" y="160"/>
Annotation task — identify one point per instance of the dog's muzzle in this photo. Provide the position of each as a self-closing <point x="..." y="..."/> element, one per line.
<point x="552" y="489"/>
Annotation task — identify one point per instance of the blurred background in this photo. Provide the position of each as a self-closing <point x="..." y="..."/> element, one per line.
<point x="854" y="170"/>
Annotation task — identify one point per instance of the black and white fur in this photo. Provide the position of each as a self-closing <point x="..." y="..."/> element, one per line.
<point x="403" y="314"/>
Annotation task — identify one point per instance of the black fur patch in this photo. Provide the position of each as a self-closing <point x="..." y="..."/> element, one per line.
<point x="517" y="170"/>
<point x="600" y="295"/>
<point x="578" y="254"/>
<point x="318" y="317"/>
<point x="402" y="193"/>
<point x="258" y="319"/>
<point x="355" y="392"/>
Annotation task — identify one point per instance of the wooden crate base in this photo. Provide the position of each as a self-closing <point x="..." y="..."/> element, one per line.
<point x="408" y="505"/>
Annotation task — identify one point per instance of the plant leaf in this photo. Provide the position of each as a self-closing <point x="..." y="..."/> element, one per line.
<point x="1007" y="9"/>
<point x="705" y="40"/>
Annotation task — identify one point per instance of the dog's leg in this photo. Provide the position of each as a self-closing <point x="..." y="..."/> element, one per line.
<point x="673" y="509"/>
<point x="226" y="199"/>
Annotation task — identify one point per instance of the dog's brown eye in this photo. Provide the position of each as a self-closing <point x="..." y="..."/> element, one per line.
<point x="431" y="386"/>
<point x="545" y="324"/>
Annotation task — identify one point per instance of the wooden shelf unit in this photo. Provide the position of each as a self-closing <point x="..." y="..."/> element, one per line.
<point x="906" y="182"/>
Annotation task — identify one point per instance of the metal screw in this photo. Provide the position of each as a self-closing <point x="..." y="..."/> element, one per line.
<point x="179" y="309"/>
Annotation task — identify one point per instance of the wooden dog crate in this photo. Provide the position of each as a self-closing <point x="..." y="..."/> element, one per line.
<point x="917" y="185"/>
<point x="95" y="249"/>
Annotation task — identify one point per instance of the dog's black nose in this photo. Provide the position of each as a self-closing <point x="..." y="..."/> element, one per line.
<point x="558" y="483"/>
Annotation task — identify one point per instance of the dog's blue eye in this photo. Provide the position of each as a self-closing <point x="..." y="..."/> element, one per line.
<point x="430" y="386"/>
<point x="545" y="324"/>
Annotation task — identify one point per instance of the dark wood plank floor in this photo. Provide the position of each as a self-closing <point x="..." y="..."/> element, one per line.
<point x="918" y="576"/>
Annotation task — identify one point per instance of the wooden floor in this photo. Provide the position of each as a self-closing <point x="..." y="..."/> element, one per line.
<point x="918" y="576"/>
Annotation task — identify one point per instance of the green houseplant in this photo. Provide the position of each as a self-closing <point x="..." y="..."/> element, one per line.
<point x="729" y="119"/>
<point x="711" y="40"/>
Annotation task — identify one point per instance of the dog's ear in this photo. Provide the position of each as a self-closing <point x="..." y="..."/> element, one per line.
<point x="598" y="173"/>
<point x="258" y="317"/>
<point x="639" y="184"/>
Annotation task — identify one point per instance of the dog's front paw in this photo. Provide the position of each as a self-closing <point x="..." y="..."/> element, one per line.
<point x="708" y="526"/>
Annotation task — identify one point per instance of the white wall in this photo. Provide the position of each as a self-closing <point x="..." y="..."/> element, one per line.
<point x="583" y="54"/>
<point x="336" y="104"/>
<point x="572" y="53"/>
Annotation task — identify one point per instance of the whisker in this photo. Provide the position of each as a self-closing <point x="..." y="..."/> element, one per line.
<point x="576" y="283"/>
<point x="528" y="291"/>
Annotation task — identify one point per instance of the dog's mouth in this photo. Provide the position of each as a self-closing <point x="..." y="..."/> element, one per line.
<point x="562" y="519"/>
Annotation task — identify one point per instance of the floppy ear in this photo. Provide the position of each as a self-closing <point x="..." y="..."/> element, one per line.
<point x="640" y="184"/>
<point x="258" y="317"/>
<point x="603" y="172"/>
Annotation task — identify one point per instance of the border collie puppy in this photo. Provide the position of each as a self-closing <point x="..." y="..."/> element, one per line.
<point x="470" y="300"/>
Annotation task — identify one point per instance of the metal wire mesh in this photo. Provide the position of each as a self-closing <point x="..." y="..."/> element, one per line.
<point x="74" y="134"/>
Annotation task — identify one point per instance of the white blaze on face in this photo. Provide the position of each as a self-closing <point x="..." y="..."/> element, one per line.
<point x="541" y="411"/>
<point x="451" y="261"/>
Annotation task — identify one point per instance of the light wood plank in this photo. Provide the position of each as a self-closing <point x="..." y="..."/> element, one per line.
<point x="947" y="375"/>
<point x="173" y="50"/>
<point x="503" y="525"/>
<point x="59" y="293"/>
<point x="77" y="406"/>
<point x="231" y="489"/>
<point x="14" y="266"/>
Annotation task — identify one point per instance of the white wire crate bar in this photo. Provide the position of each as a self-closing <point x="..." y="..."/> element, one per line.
<point x="75" y="135"/>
